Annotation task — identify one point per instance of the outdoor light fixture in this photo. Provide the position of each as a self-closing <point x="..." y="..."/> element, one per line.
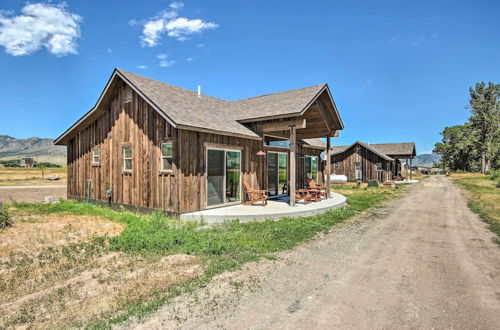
<point x="261" y="153"/>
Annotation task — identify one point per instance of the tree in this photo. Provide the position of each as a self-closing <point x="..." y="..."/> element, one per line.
<point x="458" y="148"/>
<point x="485" y="122"/>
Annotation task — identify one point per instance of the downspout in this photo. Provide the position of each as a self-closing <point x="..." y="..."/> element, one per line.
<point x="89" y="182"/>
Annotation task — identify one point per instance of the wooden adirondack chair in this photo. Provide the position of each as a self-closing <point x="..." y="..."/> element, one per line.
<point x="303" y="194"/>
<point x="254" y="195"/>
<point x="322" y="190"/>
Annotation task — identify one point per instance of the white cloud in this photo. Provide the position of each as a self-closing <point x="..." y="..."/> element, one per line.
<point x="142" y="67"/>
<point x="164" y="61"/>
<point x="40" y="26"/>
<point x="200" y="45"/>
<point x="109" y="50"/>
<point x="170" y="23"/>
<point x="189" y="59"/>
<point x="176" y="5"/>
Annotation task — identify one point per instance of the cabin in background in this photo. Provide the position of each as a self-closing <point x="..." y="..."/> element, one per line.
<point x="152" y="145"/>
<point x="362" y="161"/>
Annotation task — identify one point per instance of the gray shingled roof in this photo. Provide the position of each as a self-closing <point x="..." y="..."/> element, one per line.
<point x="396" y="149"/>
<point x="386" y="150"/>
<point x="315" y="142"/>
<point x="184" y="107"/>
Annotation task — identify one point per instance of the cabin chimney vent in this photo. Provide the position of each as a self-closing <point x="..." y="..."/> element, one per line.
<point x="199" y="91"/>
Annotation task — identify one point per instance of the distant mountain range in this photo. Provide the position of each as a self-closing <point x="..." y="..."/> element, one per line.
<point x="40" y="149"/>
<point x="426" y="160"/>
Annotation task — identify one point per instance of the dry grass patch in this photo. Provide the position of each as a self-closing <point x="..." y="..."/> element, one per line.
<point x="56" y="271"/>
<point x="16" y="176"/>
<point x="30" y="234"/>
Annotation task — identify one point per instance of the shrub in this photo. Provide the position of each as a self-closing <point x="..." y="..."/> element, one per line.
<point x="5" y="220"/>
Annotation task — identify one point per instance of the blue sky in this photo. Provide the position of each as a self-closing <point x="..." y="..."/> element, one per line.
<point x="398" y="70"/>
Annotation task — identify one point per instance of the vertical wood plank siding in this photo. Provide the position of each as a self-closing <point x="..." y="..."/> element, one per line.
<point x="367" y="158"/>
<point x="137" y="124"/>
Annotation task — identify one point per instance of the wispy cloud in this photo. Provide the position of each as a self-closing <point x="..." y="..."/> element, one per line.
<point x="40" y="25"/>
<point x="391" y="40"/>
<point x="418" y="40"/>
<point x="109" y="50"/>
<point x="170" y="23"/>
<point x="366" y="84"/>
<point x="164" y="61"/>
<point x="142" y="67"/>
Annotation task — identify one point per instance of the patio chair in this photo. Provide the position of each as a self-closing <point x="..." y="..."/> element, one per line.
<point x="313" y="186"/>
<point x="303" y="194"/>
<point x="254" y="195"/>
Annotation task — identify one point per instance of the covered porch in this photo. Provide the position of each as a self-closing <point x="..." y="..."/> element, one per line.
<point x="318" y="119"/>
<point x="275" y="209"/>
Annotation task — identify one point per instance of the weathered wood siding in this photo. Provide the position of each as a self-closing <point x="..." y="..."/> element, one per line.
<point x="192" y="176"/>
<point x="137" y="124"/>
<point x="367" y="158"/>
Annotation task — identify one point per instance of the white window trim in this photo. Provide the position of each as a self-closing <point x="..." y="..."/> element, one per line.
<point x="94" y="163"/>
<point x="125" y="158"/>
<point x="163" y="157"/>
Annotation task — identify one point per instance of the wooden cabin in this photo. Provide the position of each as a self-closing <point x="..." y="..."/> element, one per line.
<point x="363" y="161"/>
<point x="152" y="145"/>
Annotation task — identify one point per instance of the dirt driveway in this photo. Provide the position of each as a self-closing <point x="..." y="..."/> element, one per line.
<point x="423" y="262"/>
<point x="31" y="193"/>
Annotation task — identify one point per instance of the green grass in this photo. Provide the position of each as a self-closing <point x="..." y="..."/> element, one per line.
<point x="484" y="198"/>
<point x="222" y="248"/>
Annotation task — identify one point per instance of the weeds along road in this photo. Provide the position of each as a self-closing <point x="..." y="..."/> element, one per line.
<point x="425" y="261"/>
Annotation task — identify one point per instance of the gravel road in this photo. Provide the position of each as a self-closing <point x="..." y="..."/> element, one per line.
<point x="422" y="262"/>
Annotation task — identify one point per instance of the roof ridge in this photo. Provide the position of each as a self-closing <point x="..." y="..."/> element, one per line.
<point x="170" y="85"/>
<point x="285" y="91"/>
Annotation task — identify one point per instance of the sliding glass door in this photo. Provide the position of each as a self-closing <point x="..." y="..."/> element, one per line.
<point x="223" y="176"/>
<point x="311" y="168"/>
<point x="277" y="173"/>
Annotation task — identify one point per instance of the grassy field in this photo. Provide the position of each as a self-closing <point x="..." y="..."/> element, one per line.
<point x="78" y="265"/>
<point x="484" y="197"/>
<point x="17" y="176"/>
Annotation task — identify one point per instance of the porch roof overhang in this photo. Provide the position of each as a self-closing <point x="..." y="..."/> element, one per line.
<point x="320" y="118"/>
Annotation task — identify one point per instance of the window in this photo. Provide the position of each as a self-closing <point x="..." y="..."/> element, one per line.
<point x="127" y="158"/>
<point x="96" y="156"/>
<point x="311" y="168"/>
<point x="166" y="156"/>
<point x="276" y="142"/>
<point x="379" y="166"/>
<point x="336" y="166"/>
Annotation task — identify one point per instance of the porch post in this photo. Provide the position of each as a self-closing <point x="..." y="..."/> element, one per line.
<point x="293" y="163"/>
<point x="328" y="167"/>
<point x="410" y="167"/>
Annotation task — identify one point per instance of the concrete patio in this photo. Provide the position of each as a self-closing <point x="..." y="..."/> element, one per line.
<point x="275" y="209"/>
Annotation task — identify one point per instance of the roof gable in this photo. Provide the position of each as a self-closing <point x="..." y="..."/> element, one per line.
<point x="387" y="151"/>
<point x="184" y="109"/>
